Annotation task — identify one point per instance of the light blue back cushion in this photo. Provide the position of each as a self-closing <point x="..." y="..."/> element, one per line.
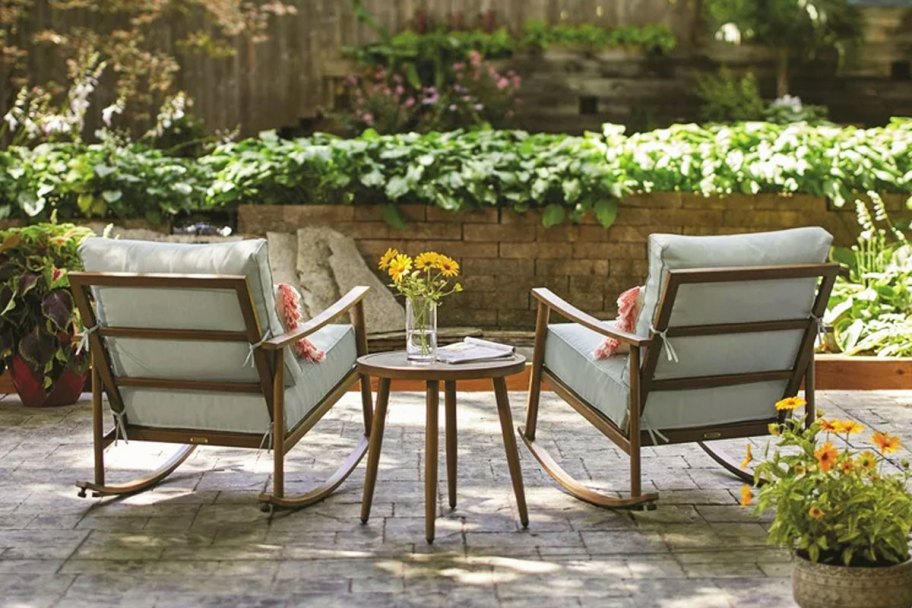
<point x="707" y="355"/>
<point x="200" y="360"/>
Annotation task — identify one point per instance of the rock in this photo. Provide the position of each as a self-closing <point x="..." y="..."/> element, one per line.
<point x="329" y="264"/>
<point x="283" y="257"/>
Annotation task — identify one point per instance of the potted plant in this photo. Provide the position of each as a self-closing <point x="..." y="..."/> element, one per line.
<point x="845" y="512"/>
<point x="38" y="318"/>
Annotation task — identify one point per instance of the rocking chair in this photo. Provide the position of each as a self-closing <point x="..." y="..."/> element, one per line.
<point x="726" y="330"/>
<point x="187" y="345"/>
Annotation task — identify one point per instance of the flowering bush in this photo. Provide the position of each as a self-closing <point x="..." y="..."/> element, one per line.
<point x="467" y="93"/>
<point x="834" y="504"/>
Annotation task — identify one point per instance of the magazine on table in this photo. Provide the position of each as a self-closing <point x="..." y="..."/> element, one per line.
<point x="473" y="349"/>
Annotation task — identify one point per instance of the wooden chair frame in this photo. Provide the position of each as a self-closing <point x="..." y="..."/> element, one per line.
<point x="642" y="367"/>
<point x="268" y="360"/>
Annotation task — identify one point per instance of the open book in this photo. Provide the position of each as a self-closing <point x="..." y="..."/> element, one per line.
<point x="473" y="349"/>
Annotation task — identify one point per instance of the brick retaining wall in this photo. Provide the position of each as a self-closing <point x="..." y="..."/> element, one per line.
<point x="505" y="254"/>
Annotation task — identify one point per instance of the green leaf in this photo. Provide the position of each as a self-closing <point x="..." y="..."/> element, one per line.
<point x="112" y="196"/>
<point x="553" y="215"/>
<point x="30" y="203"/>
<point x="103" y="171"/>
<point x="606" y="212"/>
<point x="396" y="187"/>
<point x="392" y="216"/>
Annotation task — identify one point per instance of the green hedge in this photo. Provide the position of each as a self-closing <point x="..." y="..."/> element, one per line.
<point x="567" y="175"/>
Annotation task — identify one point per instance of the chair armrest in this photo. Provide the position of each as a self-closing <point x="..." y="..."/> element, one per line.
<point x="548" y="298"/>
<point x="339" y="308"/>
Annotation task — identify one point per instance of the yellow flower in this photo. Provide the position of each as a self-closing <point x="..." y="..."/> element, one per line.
<point x="826" y="456"/>
<point x="848" y="426"/>
<point x="399" y="267"/>
<point x="847" y="466"/>
<point x="747" y="495"/>
<point x="790" y="403"/>
<point x="448" y="266"/>
<point x="799" y="470"/>
<point x="885" y="442"/>
<point x="774" y="429"/>
<point x="386" y="258"/>
<point x="830" y="426"/>
<point x="428" y="259"/>
<point x="867" y="460"/>
<point x="748" y="457"/>
<point x="815" y="512"/>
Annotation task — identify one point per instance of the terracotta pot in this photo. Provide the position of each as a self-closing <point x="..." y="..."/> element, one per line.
<point x="65" y="391"/>
<point x="825" y="586"/>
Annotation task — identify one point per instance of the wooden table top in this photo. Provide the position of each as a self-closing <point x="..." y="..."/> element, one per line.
<point x="394" y="365"/>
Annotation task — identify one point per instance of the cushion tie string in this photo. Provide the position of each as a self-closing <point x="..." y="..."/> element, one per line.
<point x="653" y="432"/>
<point x="821" y="329"/>
<point x="84" y="340"/>
<point x="670" y="351"/>
<point x="266" y="441"/>
<point x="248" y="360"/>
<point x="120" y="429"/>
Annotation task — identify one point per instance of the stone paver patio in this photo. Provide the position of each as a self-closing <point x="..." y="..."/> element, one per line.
<point x="200" y="539"/>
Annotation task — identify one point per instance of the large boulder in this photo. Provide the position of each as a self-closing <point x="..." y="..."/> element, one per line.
<point x="327" y="264"/>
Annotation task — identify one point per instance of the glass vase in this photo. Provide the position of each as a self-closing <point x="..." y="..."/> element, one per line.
<point x="421" y="330"/>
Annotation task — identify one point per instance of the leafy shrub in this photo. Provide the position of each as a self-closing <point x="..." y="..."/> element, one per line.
<point x="98" y="180"/>
<point x="38" y="318"/>
<point x="654" y="39"/>
<point x="725" y="97"/>
<point x="871" y="309"/>
<point x="564" y="174"/>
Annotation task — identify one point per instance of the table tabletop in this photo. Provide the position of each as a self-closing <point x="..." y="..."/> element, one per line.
<point x="394" y="364"/>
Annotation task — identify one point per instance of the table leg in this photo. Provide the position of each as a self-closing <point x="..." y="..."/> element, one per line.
<point x="509" y="439"/>
<point x="373" y="448"/>
<point x="430" y="459"/>
<point x="450" y="403"/>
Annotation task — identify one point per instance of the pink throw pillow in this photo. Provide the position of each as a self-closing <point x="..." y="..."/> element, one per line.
<point x="288" y="307"/>
<point x="629" y="305"/>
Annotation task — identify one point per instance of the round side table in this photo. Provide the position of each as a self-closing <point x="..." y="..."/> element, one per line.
<point x="393" y="366"/>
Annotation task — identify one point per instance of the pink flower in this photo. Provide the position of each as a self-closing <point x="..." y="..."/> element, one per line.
<point x="409" y="102"/>
<point x="367" y="118"/>
<point x="458" y="66"/>
<point x="475" y="58"/>
<point x="399" y="90"/>
<point x="503" y="83"/>
<point x="431" y="96"/>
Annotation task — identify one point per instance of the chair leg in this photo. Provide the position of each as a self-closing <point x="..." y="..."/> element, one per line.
<point x="581" y="491"/>
<point x="538" y="360"/>
<point x="98" y="487"/>
<point x="277" y="498"/>
<point x="809" y="389"/>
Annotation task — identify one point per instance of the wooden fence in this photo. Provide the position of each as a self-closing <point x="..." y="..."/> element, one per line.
<point x="290" y="76"/>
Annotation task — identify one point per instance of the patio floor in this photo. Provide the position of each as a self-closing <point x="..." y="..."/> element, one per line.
<point x="200" y="539"/>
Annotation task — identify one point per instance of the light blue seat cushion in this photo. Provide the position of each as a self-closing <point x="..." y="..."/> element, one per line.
<point x="600" y="382"/>
<point x="604" y="384"/>
<point x="247" y="413"/>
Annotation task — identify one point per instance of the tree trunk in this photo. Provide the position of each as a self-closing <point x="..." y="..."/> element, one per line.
<point x="782" y="73"/>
